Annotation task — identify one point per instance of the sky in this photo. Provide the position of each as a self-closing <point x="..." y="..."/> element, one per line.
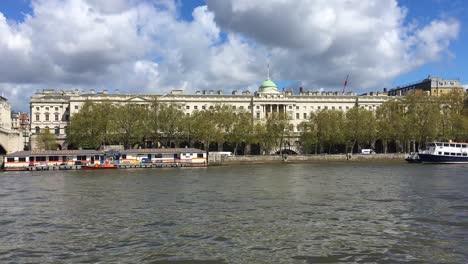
<point x="154" y="46"/>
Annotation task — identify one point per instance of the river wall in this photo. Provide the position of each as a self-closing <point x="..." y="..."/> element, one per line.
<point x="220" y="160"/>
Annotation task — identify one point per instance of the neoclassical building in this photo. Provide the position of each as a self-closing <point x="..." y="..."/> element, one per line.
<point x="51" y="109"/>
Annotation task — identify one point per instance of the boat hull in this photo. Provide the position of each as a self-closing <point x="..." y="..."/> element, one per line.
<point x="98" y="167"/>
<point x="431" y="158"/>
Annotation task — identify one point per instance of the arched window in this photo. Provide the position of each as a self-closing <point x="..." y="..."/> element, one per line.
<point x="57" y="130"/>
<point x="38" y="130"/>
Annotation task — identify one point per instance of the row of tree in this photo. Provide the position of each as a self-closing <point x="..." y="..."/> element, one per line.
<point x="397" y="125"/>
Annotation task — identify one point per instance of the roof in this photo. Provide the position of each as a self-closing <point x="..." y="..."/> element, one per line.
<point x="162" y="150"/>
<point x="268" y="83"/>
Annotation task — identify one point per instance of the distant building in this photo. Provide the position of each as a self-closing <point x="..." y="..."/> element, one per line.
<point x="432" y="85"/>
<point x="52" y="109"/>
<point x="10" y="140"/>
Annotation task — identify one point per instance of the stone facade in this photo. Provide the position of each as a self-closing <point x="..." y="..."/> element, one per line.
<point x="10" y="140"/>
<point x="432" y="85"/>
<point x="52" y="109"/>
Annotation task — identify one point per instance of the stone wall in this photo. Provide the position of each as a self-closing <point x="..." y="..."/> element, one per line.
<point x="312" y="158"/>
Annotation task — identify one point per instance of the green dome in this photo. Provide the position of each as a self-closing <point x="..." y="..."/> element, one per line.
<point x="268" y="83"/>
<point x="268" y="86"/>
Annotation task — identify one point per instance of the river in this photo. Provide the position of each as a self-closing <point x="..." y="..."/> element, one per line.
<point x="276" y="213"/>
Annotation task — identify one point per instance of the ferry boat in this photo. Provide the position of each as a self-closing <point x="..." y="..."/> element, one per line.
<point x="99" y="167"/>
<point x="445" y="152"/>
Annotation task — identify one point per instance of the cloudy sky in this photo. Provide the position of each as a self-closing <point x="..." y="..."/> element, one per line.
<point x="153" y="46"/>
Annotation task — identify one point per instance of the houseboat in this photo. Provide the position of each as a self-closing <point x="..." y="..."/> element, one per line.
<point x="445" y="152"/>
<point x="79" y="159"/>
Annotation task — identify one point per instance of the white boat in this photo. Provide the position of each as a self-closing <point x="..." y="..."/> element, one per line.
<point x="445" y="152"/>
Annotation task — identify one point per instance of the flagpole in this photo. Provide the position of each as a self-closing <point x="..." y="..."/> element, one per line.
<point x="345" y="84"/>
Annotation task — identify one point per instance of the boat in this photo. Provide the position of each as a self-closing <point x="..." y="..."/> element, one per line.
<point x="99" y="167"/>
<point x="413" y="157"/>
<point x="445" y="152"/>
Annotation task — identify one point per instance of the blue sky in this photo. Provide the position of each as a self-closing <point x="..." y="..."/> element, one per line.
<point x="153" y="46"/>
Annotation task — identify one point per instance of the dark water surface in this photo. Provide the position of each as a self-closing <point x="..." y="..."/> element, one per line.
<point x="294" y="213"/>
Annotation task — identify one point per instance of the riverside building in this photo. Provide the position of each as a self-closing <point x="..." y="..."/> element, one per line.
<point x="52" y="109"/>
<point x="434" y="86"/>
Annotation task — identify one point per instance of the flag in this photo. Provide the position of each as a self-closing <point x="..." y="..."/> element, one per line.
<point x="345" y="83"/>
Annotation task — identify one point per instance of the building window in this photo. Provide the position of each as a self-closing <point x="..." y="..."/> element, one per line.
<point x="249" y="107"/>
<point x="347" y="107"/>
<point x="326" y="107"/>
<point x="290" y="107"/>
<point x="305" y="115"/>
<point x="57" y="130"/>
<point x="47" y="117"/>
<point x="297" y="107"/>
<point x="339" y="107"/>
<point x="56" y="108"/>
<point x="211" y="107"/>
<point x="233" y="107"/>
<point x="38" y="130"/>
<point x="47" y="108"/>
<point x="76" y="107"/>
<point x="203" y="107"/>
<point x="187" y="107"/>
<point x="241" y="107"/>
<point x="195" y="107"/>
<point x="37" y="108"/>
<point x="258" y="107"/>
<point x="56" y="117"/>
<point x="318" y="107"/>
<point x="297" y="115"/>
<point x="258" y="115"/>
<point x="333" y="108"/>
<point x="37" y="117"/>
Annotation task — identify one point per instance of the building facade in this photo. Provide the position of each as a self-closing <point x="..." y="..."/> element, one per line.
<point x="434" y="86"/>
<point x="10" y="139"/>
<point x="52" y="109"/>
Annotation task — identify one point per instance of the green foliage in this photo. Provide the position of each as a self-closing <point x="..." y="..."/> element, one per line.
<point x="399" y="122"/>
<point x="92" y="126"/>
<point x="46" y="140"/>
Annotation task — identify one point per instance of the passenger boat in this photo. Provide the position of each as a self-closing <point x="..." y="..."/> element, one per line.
<point x="99" y="167"/>
<point x="445" y="152"/>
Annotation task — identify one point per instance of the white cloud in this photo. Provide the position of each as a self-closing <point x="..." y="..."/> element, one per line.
<point x="144" y="46"/>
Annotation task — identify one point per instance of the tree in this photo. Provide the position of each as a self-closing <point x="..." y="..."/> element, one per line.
<point x="129" y="121"/>
<point x="46" y="140"/>
<point x="91" y="126"/>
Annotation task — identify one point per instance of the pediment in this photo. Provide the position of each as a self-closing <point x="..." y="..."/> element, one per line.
<point x="137" y="99"/>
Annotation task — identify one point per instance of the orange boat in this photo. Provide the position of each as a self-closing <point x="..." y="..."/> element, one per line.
<point x="99" y="167"/>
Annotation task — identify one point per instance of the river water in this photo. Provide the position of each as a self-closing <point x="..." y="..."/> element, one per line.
<point x="280" y="213"/>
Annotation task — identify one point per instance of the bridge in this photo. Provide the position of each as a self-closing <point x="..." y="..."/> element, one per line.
<point x="10" y="141"/>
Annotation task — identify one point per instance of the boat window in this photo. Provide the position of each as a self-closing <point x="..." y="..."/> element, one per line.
<point x="452" y="154"/>
<point x="446" y="145"/>
<point x="465" y="154"/>
<point x="10" y="159"/>
<point x="53" y="158"/>
<point x="439" y="144"/>
<point x="22" y="159"/>
<point x="458" y="154"/>
<point x="452" y="145"/>
<point x="463" y="146"/>
<point x="430" y="144"/>
<point x="41" y="158"/>
<point x="440" y="153"/>
<point x="158" y="156"/>
<point x="458" y="145"/>
<point x="446" y="153"/>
